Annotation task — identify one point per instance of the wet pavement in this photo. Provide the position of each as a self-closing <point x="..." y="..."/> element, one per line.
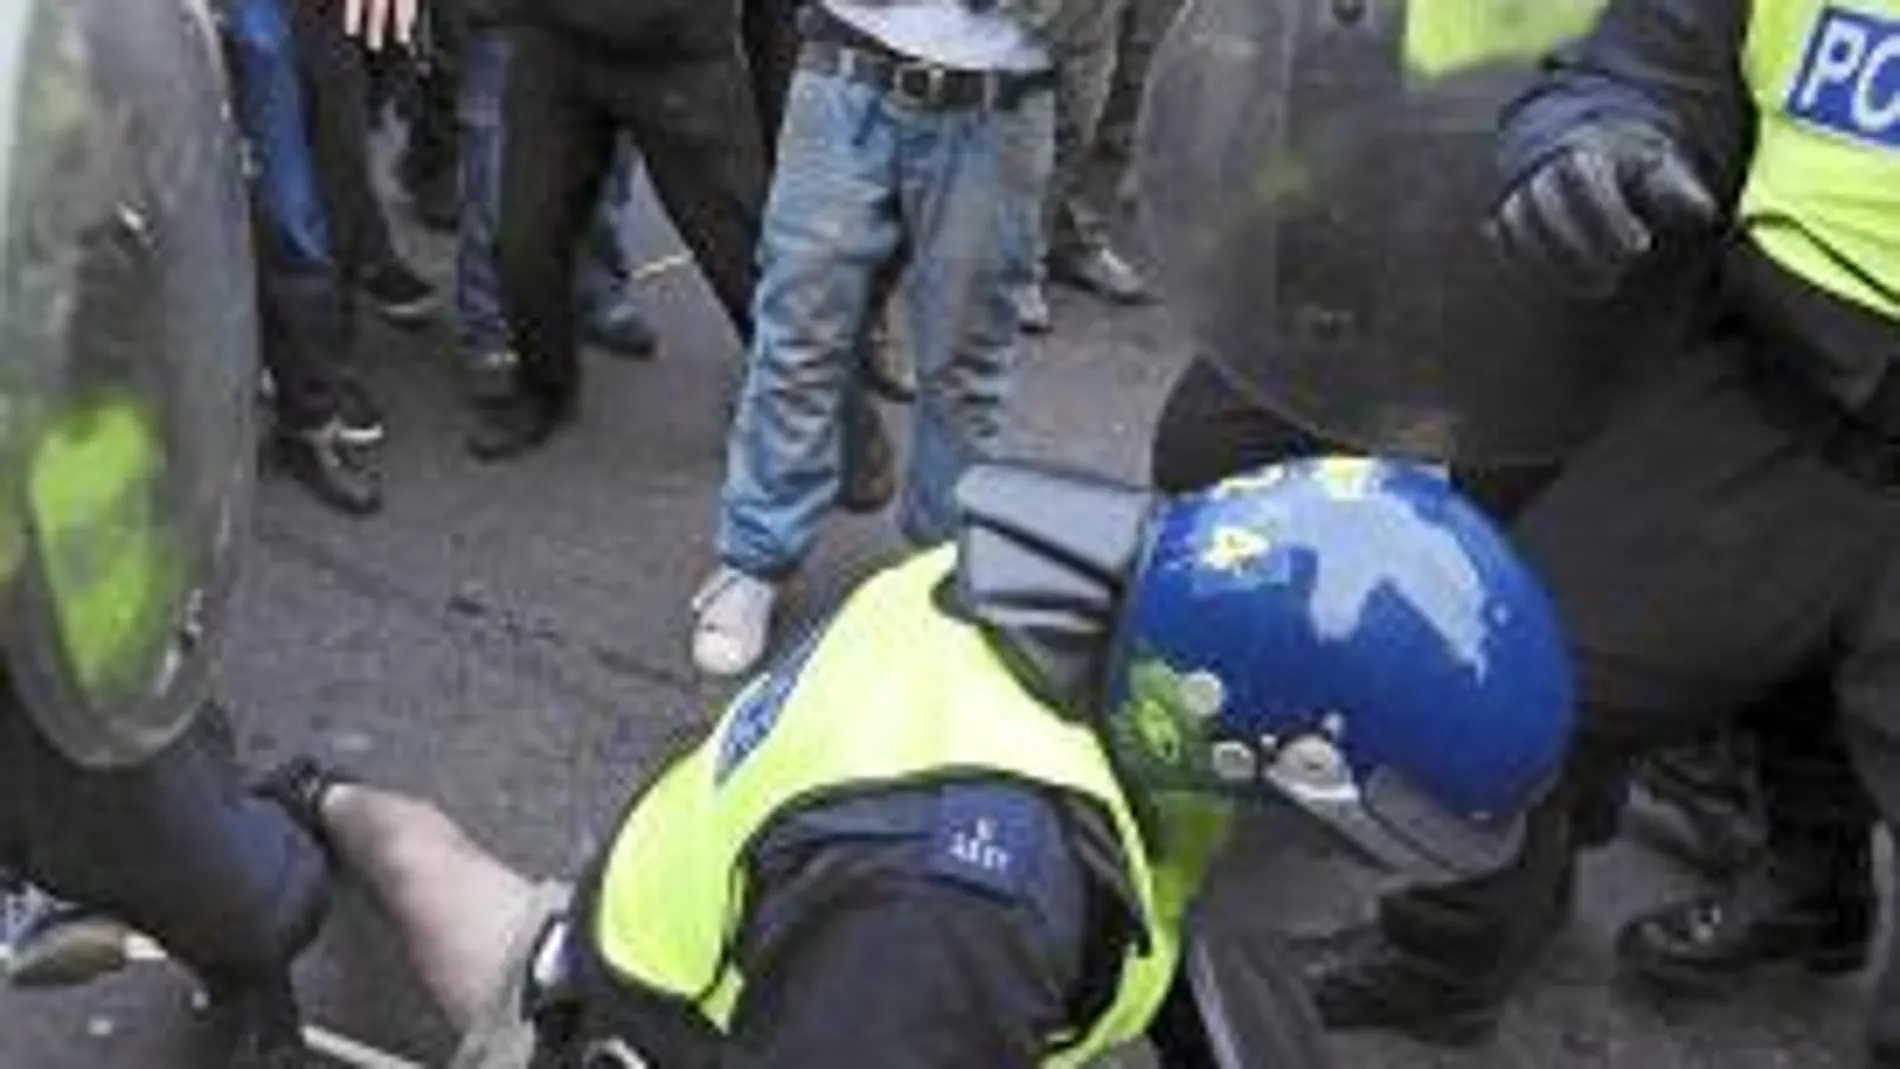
<point x="511" y="641"/>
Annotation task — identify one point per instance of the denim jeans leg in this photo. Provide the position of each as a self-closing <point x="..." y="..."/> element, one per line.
<point x="481" y="326"/>
<point x="271" y="113"/>
<point x="983" y="174"/>
<point x="600" y="278"/>
<point x="830" y="223"/>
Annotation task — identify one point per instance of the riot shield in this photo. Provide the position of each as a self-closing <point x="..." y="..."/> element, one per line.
<point x="126" y="312"/>
<point x="1316" y="179"/>
<point x="1253" y="1006"/>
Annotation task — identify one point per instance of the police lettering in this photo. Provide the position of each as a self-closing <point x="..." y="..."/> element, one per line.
<point x="1850" y="79"/>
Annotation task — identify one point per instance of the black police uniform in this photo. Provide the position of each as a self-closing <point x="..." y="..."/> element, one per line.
<point x="853" y="892"/>
<point x="175" y="847"/>
<point x="1734" y="524"/>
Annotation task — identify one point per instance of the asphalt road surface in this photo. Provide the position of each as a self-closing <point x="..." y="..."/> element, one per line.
<point x="512" y="642"/>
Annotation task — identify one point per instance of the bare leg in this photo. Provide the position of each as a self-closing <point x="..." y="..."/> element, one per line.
<point x="454" y="903"/>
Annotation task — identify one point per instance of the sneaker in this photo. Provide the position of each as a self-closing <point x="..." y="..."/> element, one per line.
<point x="493" y="375"/>
<point x="399" y="294"/>
<point x="359" y="417"/>
<point x="1104" y="273"/>
<point x="516" y="425"/>
<point x="732" y="617"/>
<point x="57" y="944"/>
<point x="342" y="477"/>
<point x="1032" y="310"/>
<point x="620" y="330"/>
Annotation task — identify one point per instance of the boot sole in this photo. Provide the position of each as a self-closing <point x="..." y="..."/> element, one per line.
<point x="1687" y="981"/>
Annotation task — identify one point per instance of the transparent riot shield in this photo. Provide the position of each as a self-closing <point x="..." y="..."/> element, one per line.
<point x="127" y="315"/>
<point x="1317" y="177"/>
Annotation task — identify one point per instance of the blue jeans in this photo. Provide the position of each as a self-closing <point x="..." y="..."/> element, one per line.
<point x="601" y="278"/>
<point x="861" y="176"/>
<point x="270" y="111"/>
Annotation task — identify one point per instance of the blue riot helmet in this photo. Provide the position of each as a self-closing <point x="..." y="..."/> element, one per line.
<point x="1353" y="637"/>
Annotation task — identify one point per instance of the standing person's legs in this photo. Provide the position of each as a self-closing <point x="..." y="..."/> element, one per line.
<point x="555" y="156"/>
<point x="1697" y="551"/>
<point x="610" y="318"/>
<point x="1869" y="694"/>
<point x="428" y="168"/>
<point x="830" y="226"/>
<point x="1075" y="236"/>
<point x="1807" y="897"/>
<point x="1144" y="23"/>
<point x="337" y="88"/>
<point x="482" y="329"/>
<point x="323" y="423"/>
<point x="769" y="29"/>
<point x="693" y="123"/>
<point x="962" y="185"/>
<point x="601" y="279"/>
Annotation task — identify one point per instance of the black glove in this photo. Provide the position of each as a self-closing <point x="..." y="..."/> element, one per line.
<point x="1580" y="220"/>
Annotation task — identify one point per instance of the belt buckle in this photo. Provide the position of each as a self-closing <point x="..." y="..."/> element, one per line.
<point x="920" y="85"/>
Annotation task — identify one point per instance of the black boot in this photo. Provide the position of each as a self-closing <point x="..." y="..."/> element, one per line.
<point x="1769" y="917"/>
<point x="258" y="1025"/>
<point x="1699" y="805"/>
<point x="516" y="425"/>
<point x="342" y="476"/>
<point x="1360" y="980"/>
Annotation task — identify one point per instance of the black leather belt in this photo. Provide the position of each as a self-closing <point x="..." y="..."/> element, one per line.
<point x="922" y="85"/>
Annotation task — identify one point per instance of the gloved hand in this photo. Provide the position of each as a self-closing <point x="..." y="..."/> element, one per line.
<point x="1579" y="221"/>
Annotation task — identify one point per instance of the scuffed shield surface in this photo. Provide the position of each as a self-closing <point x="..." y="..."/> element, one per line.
<point x="127" y="317"/>
<point x="1317" y="177"/>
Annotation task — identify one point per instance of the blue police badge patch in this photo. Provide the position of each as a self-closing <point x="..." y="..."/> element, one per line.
<point x="756" y="710"/>
<point x="990" y="836"/>
<point x="1849" y="81"/>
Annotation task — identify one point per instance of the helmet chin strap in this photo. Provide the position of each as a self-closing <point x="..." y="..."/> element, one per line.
<point x="1043" y="558"/>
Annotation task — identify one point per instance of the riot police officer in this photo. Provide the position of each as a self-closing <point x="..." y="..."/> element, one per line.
<point x="961" y="823"/>
<point x="124" y="471"/>
<point x="1733" y="522"/>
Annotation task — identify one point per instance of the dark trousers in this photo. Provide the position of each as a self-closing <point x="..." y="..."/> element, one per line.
<point x="175" y="847"/>
<point x="302" y="309"/>
<point x="337" y="91"/>
<point x="1819" y="819"/>
<point x="692" y="121"/>
<point x="429" y="96"/>
<point x="769" y="31"/>
<point x="307" y="329"/>
<point x="1725" y="534"/>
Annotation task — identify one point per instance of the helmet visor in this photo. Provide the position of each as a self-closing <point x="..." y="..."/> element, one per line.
<point x="1398" y="826"/>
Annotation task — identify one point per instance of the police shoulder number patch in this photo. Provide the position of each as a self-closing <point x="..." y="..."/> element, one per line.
<point x="990" y="837"/>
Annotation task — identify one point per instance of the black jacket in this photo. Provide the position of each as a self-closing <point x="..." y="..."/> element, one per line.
<point x="646" y="27"/>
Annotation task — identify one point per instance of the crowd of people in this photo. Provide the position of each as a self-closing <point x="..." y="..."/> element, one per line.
<point x="830" y="166"/>
<point x="963" y="822"/>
